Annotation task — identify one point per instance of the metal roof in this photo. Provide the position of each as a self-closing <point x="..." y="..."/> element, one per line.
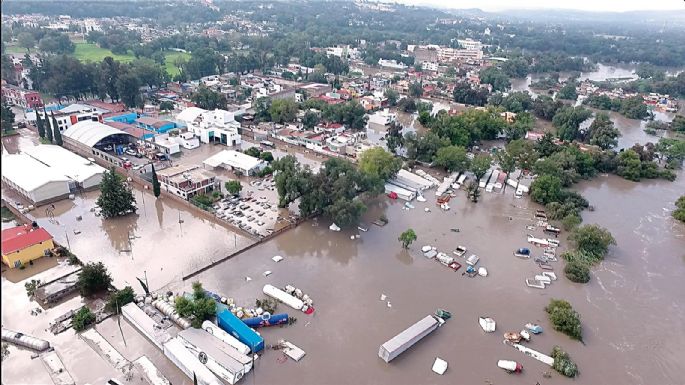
<point x="14" y="167"/>
<point x="90" y="133"/>
<point x="65" y="162"/>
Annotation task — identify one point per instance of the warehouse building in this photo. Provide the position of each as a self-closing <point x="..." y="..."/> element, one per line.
<point x="98" y="139"/>
<point x="34" y="180"/>
<point x="82" y="172"/>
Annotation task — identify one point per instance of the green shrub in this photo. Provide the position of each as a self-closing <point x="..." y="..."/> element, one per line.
<point x="577" y="272"/>
<point x="563" y="363"/>
<point x="571" y="221"/>
<point x="82" y="319"/>
<point x="564" y="319"/>
<point x="120" y="298"/>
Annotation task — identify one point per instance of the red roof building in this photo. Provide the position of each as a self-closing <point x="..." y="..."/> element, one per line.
<point x="22" y="244"/>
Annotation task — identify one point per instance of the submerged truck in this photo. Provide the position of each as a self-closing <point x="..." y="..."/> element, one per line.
<point x="188" y="363"/>
<point x="237" y="328"/>
<point x="413" y="334"/>
<point x="213" y="354"/>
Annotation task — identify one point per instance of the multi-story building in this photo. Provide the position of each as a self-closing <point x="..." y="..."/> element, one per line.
<point x="21" y="97"/>
<point x="211" y="126"/>
<point x="446" y="54"/>
<point x="186" y="181"/>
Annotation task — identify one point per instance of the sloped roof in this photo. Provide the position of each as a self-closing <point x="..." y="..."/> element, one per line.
<point x="21" y="237"/>
<point x="190" y="114"/>
<point x="89" y="132"/>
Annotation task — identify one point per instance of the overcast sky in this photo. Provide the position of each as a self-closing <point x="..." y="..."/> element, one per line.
<point x="586" y="5"/>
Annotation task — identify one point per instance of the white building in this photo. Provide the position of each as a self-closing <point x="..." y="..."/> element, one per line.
<point x="187" y="140"/>
<point x="381" y="120"/>
<point x="470" y="44"/>
<point x="186" y="181"/>
<point x="234" y="160"/>
<point x="165" y="145"/>
<point x="80" y="171"/>
<point x="446" y="54"/>
<point x="40" y="185"/>
<point x="391" y="64"/>
<point x="211" y="126"/>
<point x="343" y="51"/>
<point x="429" y="66"/>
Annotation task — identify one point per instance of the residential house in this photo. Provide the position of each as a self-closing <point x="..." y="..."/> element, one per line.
<point x="21" y="97"/>
<point x="186" y="181"/>
<point x="23" y="244"/>
<point x="218" y="126"/>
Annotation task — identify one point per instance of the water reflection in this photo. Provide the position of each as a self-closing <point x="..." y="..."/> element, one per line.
<point x="121" y="232"/>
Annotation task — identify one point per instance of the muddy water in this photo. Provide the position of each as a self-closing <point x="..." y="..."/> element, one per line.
<point x="151" y="241"/>
<point x="627" y="308"/>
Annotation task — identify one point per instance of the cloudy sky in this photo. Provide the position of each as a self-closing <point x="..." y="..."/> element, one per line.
<point x="586" y="5"/>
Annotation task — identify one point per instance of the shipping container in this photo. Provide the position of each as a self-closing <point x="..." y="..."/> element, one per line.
<point x="228" y="339"/>
<point x="189" y="363"/>
<point x="145" y="325"/>
<point x="413" y="334"/>
<point x="237" y="328"/>
<point x="212" y="353"/>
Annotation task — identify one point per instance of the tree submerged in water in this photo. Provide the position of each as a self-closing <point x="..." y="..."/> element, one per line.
<point x="563" y="363"/>
<point x="407" y="238"/>
<point x="115" y="198"/>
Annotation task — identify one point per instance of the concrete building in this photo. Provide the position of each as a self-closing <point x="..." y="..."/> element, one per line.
<point x="392" y="64"/>
<point x="23" y="244"/>
<point x="165" y="144"/>
<point x="381" y="120"/>
<point x="218" y="126"/>
<point x="234" y="160"/>
<point x="186" y="181"/>
<point x="470" y="44"/>
<point x="40" y="185"/>
<point x="446" y="54"/>
<point x="21" y="97"/>
<point x="154" y="124"/>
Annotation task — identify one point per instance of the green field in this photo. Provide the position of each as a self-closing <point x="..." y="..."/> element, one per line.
<point x="15" y="49"/>
<point x="91" y="52"/>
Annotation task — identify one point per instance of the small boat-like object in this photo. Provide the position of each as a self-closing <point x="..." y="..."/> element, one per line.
<point x="532" y="353"/>
<point x="512" y="337"/>
<point x="483" y="272"/>
<point x="472" y="260"/>
<point x="534" y="283"/>
<point x="552" y="229"/>
<point x="487" y="324"/>
<point x="541" y="214"/>
<point x="550" y="274"/>
<point x="409" y="205"/>
<point x="334" y="227"/>
<point x="525" y="335"/>
<point x="522" y="253"/>
<point x="543" y="279"/>
<point x="510" y="366"/>
<point x="454" y="230"/>
<point x="460" y="251"/>
<point x="538" y="241"/>
<point x="553" y="242"/>
<point x="545" y="266"/>
<point x="534" y="328"/>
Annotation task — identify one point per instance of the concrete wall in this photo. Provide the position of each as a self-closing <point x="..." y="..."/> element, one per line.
<point x="28" y="254"/>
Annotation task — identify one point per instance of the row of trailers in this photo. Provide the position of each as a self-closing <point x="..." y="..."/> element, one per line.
<point x="211" y="354"/>
<point x="407" y="185"/>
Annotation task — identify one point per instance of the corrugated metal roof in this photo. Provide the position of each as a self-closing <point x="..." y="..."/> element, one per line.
<point x="15" y="166"/>
<point x="89" y="132"/>
<point x="64" y="162"/>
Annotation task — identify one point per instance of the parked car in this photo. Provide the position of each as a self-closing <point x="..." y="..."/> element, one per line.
<point x="131" y="152"/>
<point x="108" y="147"/>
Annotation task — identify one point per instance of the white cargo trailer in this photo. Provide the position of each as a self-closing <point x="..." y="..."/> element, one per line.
<point x="145" y="324"/>
<point x="413" y="334"/>
<point x="228" y="339"/>
<point x="188" y="363"/>
<point x="212" y="353"/>
<point x="282" y="296"/>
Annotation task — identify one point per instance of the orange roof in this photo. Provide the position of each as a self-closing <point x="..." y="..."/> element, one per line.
<point x="21" y="237"/>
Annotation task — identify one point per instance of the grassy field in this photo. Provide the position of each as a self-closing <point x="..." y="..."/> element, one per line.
<point x="91" y="52"/>
<point x="15" y="49"/>
<point x="169" y="61"/>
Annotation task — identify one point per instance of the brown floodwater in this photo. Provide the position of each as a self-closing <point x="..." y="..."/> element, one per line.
<point x="632" y="310"/>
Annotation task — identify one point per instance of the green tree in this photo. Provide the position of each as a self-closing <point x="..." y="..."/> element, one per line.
<point x="48" y="129"/>
<point x="392" y="96"/>
<point x="634" y="108"/>
<point x="679" y="212"/>
<point x="40" y="125"/>
<point x="407" y="238"/>
<point x="233" y="187"/>
<point x="415" y="90"/>
<point x="564" y="319"/>
<point x="166" y="105"/>
<point x="480" y="165"/>
<point x="310" y="120"/>
<point x="577" y="271"/>
<point x="156" y="186"/>
<point x="567" y="120"/>
<point x="452" y="158"/>
<point x="7" y="117"/>
<point x="629" y="165"/>
<point x="128" y="88"/>
<point x="120" y="298"/>
<point x="496" y="78"/>
<point x="82" y="319"/>
<point x="253" y="151"/>
<point x="266" y="156"/>
<point x="545" y="189"/>
<point x="568" y="91"/>
<point x="208" y="99"/>
<point x="378" y="163"/>
<point x="57" y="134"/>
<point x="602" y="132"/>
<point x="563" y="363"/>
<point x="26" y="40"/>
<point x="198" y="308"/>
<point x="472" y="191"/>
<point x="345" y="212"/>
<point x="283" y="110"/>
<point x="93" y="278"/>
<point x="507" y="163"/>
<point x="592" y="239"/>
<point x="115" y="198"/>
